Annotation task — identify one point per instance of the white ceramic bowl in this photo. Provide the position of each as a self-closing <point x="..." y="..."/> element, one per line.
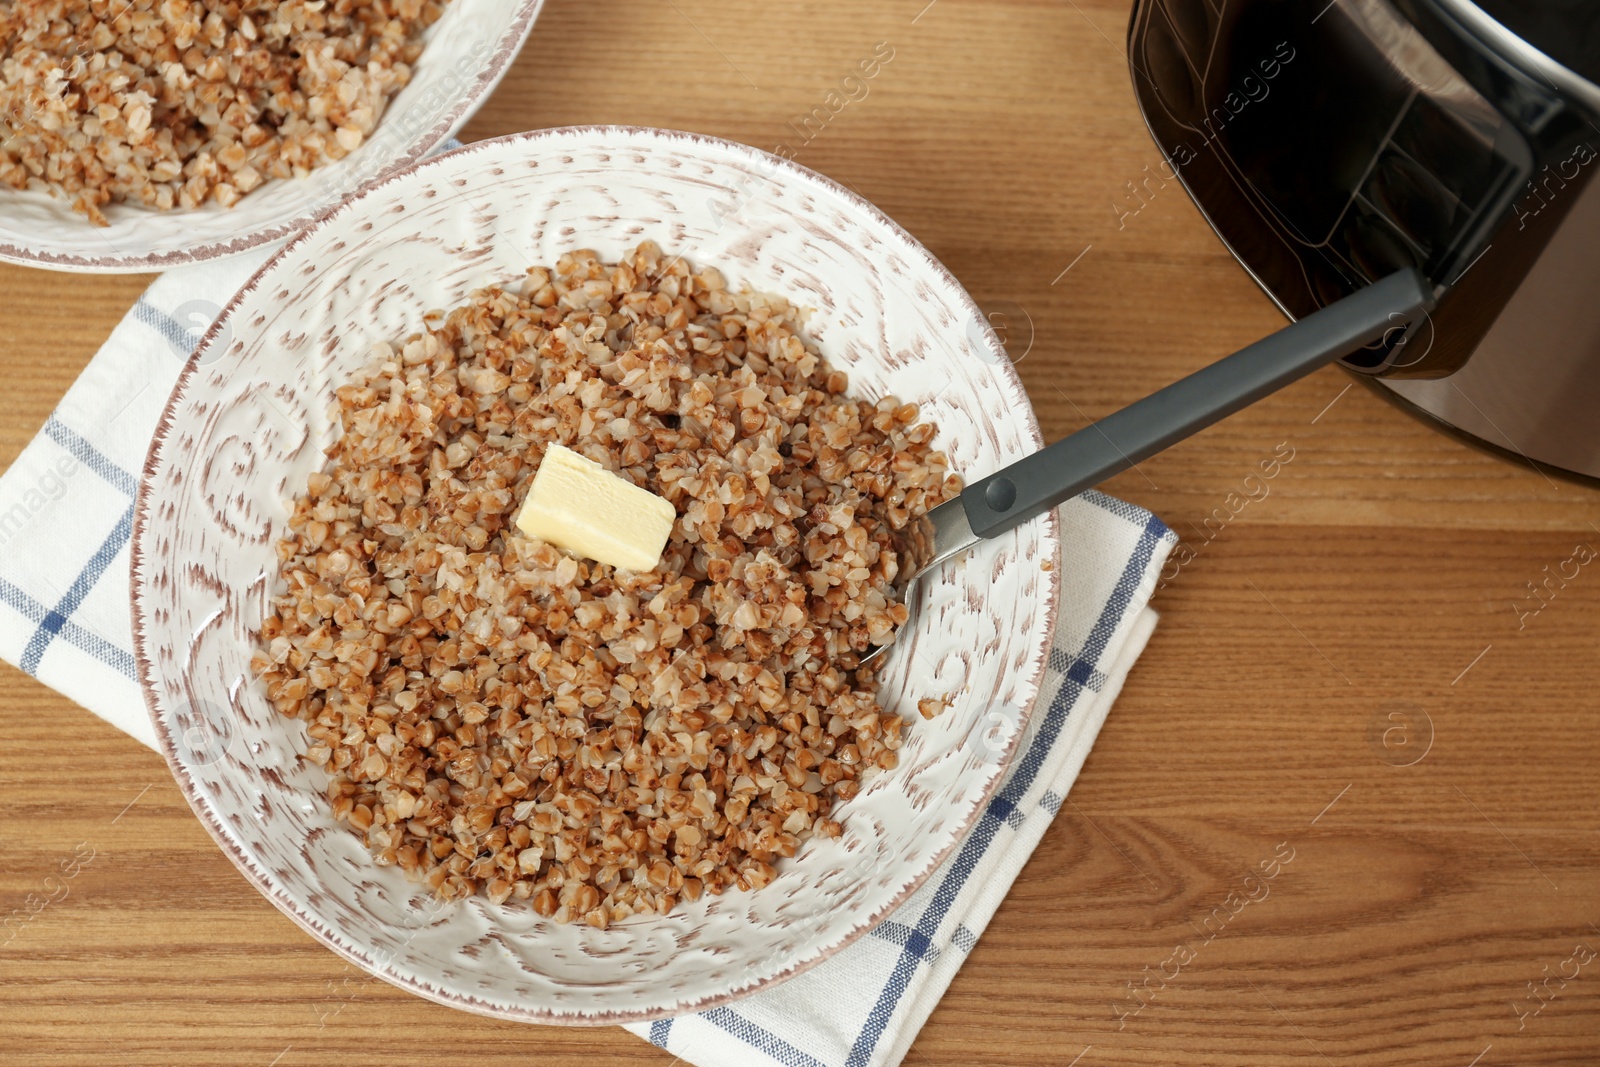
<point x="468" y="51"/>
<point x="247" y="424"/>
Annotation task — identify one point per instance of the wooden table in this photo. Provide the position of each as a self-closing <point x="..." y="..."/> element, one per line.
<point x="1339" y="672"/>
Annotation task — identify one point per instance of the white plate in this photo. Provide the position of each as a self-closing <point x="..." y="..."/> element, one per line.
<point x="246" y="425"/>
<point x="468" y="51"/>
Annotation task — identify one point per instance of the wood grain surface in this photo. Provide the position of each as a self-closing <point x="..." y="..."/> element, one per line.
<point x="1339" y="674"/>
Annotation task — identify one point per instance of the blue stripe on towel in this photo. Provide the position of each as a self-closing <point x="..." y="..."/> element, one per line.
<point x="56" y="619"/>
<point x="759" y="1037"/>
<point x="180" y="339"/>
<point x="71" y="632"/>
<point x="90" y="456"/>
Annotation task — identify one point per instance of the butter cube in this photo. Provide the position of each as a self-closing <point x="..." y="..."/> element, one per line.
<point x="576" y="504"/>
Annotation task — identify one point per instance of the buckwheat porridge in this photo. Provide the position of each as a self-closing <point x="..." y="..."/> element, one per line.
<point x="499" y="716"/>
<point x="170" y="103"/>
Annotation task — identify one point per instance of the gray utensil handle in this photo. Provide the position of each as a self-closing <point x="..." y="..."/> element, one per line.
<point x="1082" y="460"/>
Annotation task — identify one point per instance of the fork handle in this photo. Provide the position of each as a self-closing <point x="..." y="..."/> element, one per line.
<point x="1041" y="481"/>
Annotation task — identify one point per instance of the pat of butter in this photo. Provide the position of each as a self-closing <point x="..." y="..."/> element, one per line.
<point x="578" y="505"/>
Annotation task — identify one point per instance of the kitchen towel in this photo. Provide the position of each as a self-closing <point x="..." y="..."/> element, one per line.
<point x="66" y="508"/>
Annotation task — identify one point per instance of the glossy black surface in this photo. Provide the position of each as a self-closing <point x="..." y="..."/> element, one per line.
<point x="1568" y="31"/>
<point x="1325" y="162"/>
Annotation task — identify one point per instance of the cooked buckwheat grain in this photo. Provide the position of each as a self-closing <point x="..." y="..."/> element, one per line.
<point x="169" y="103"/>
<point x="500" y="717"/>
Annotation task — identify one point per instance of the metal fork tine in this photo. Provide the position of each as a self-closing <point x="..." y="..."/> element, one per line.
<point x="943" y="533"/>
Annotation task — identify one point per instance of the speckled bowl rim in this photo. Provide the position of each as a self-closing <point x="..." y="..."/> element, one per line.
<point x="258" y="877"/>
<point x="489" y="78"/>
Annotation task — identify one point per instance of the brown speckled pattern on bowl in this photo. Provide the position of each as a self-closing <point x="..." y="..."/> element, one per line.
<point x="468" y="51"/>
<point x="242" y="432"/>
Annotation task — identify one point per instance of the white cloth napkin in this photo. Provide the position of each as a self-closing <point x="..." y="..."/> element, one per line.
<point x="66" y="508"/>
